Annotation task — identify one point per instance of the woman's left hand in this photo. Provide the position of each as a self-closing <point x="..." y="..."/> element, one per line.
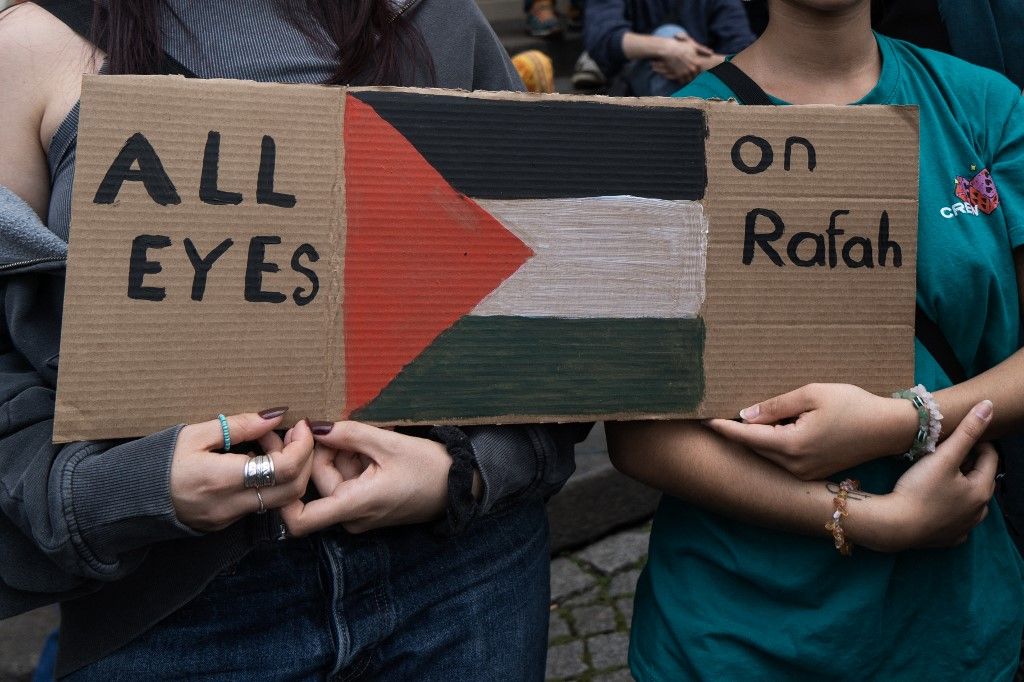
<point x="369" y="478"/>
<point x="820" y="429"/>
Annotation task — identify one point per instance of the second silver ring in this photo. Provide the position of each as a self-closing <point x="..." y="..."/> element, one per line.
<point x="259" y="472"/>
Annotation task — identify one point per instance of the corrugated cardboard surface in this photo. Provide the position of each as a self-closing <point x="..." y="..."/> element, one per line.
<point x="129" y="367"/>
<point x="771" y="328"/>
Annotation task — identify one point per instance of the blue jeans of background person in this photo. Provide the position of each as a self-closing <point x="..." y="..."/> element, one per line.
<point x="641" y="78"/>
<point x="390" y="605"/>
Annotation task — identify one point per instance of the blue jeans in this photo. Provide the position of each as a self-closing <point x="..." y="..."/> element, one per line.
<point x="390" y="605"/>
<point x="642" y="79"/>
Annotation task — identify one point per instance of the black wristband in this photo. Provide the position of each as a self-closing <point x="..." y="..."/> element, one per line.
<point x="462" y="505"/>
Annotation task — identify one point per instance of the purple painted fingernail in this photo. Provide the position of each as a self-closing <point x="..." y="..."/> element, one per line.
<point x="273" y="412"/>
<point x="321" y="428"/>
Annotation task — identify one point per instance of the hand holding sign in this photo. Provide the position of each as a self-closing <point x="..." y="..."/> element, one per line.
<point x="207" y="487"/>
<point x="821" y="429"/>
<point x="371" y="478"/>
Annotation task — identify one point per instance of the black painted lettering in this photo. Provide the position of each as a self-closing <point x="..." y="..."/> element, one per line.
<point x="150" y="172"/>
<point x="885" y="245"/>
<point x="763" y="240"/>
<point x="812" y="157"/>
<point x="767" y="155"/>
<point x="139" y="266"/>
<point x="832" y="232"/>
<point x="793" y="249"/>
<point x="300" y="295"/>
<point x="254" y="269"/>
<point x="265" y="193"/>
<point x="202" y="265"/>
<point x="866" y="256"/>
<point x="209" y="193"/>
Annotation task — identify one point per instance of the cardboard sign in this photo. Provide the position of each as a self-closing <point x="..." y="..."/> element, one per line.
<point x="419" y="256"/>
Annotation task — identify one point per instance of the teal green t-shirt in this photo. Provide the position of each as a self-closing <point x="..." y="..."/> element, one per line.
<point x="724" y="600"/>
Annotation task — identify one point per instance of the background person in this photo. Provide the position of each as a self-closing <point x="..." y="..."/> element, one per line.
<point x="543" y="20"/>
<point x="652" y="47"/>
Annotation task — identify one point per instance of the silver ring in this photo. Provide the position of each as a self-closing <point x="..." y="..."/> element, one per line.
<point x="259" y="472"/>
<point x="263" y="507"/>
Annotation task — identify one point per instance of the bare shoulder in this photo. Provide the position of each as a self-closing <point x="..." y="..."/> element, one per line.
<point x="41" y="67"/>
<point x="33" y="41"/>
<point x="41" y="64"/>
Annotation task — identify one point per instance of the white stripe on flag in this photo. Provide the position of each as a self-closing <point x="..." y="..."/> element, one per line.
<point x="619" y="257"/>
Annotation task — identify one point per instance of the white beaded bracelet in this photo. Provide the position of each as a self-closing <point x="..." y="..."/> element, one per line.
<point x="929" y="421"/>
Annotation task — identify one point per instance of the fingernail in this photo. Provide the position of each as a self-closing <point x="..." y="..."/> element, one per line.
<point x="750" y="412"/>
<point x="321" y="428"/>
<point x="984" y="410"/>
<point x="273" y="412"/>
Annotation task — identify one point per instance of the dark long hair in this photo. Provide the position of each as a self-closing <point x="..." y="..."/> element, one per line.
<point x="376" y="44"/>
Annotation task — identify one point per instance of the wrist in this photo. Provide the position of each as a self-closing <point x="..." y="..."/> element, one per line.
<point x="903" y="425"/>
<point x="640" y="46"/>
<point x="929" y="421"/>
<point x="463" y="501"/>
<point x="878" y="523"/>
<point x="660" y="48"/>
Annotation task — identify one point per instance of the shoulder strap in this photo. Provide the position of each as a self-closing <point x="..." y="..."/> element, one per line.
<point x="77" y="15"/>
<point x="932" y="338"/>
<point x="927" y="331"/>
<point x="742" y="85"/>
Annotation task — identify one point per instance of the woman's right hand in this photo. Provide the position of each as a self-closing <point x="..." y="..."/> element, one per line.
<point x="207" y="486"/>
<point x="939" y="500"/>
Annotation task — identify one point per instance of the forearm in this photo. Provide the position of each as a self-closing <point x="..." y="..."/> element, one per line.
<point x="640" y="46"/>
<point x="1002" y="384"/>
<point x="686" y="460"/>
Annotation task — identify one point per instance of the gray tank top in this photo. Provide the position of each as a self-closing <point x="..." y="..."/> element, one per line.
<point x="244" y="39"/>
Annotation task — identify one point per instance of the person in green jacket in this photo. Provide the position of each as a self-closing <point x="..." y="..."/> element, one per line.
<point x="744" y="579"/>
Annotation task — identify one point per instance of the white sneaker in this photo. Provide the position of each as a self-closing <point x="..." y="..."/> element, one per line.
<point x="587" y="74"/>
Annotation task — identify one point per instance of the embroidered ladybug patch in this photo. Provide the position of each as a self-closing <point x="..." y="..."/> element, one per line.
<point x="980" y="191"/>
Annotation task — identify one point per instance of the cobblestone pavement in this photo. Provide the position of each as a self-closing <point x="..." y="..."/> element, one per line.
<point x="591" y="608"/>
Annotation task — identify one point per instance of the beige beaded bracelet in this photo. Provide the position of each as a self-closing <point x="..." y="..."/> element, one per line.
<point x="835" y="526"/>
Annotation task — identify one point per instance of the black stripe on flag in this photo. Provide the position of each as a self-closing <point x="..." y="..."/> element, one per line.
<point x="515" y="149"/>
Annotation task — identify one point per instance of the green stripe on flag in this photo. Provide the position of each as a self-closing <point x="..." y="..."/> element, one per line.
<point x="492" y="366"/>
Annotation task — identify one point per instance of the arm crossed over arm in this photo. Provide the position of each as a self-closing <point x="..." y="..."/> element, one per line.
<point x="934" y="503"/>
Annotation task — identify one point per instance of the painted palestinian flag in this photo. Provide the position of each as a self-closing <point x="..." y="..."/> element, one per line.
<point x="538" y="268"/>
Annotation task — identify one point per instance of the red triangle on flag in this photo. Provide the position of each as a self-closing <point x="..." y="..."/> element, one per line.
<point x="418" y="255"/>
